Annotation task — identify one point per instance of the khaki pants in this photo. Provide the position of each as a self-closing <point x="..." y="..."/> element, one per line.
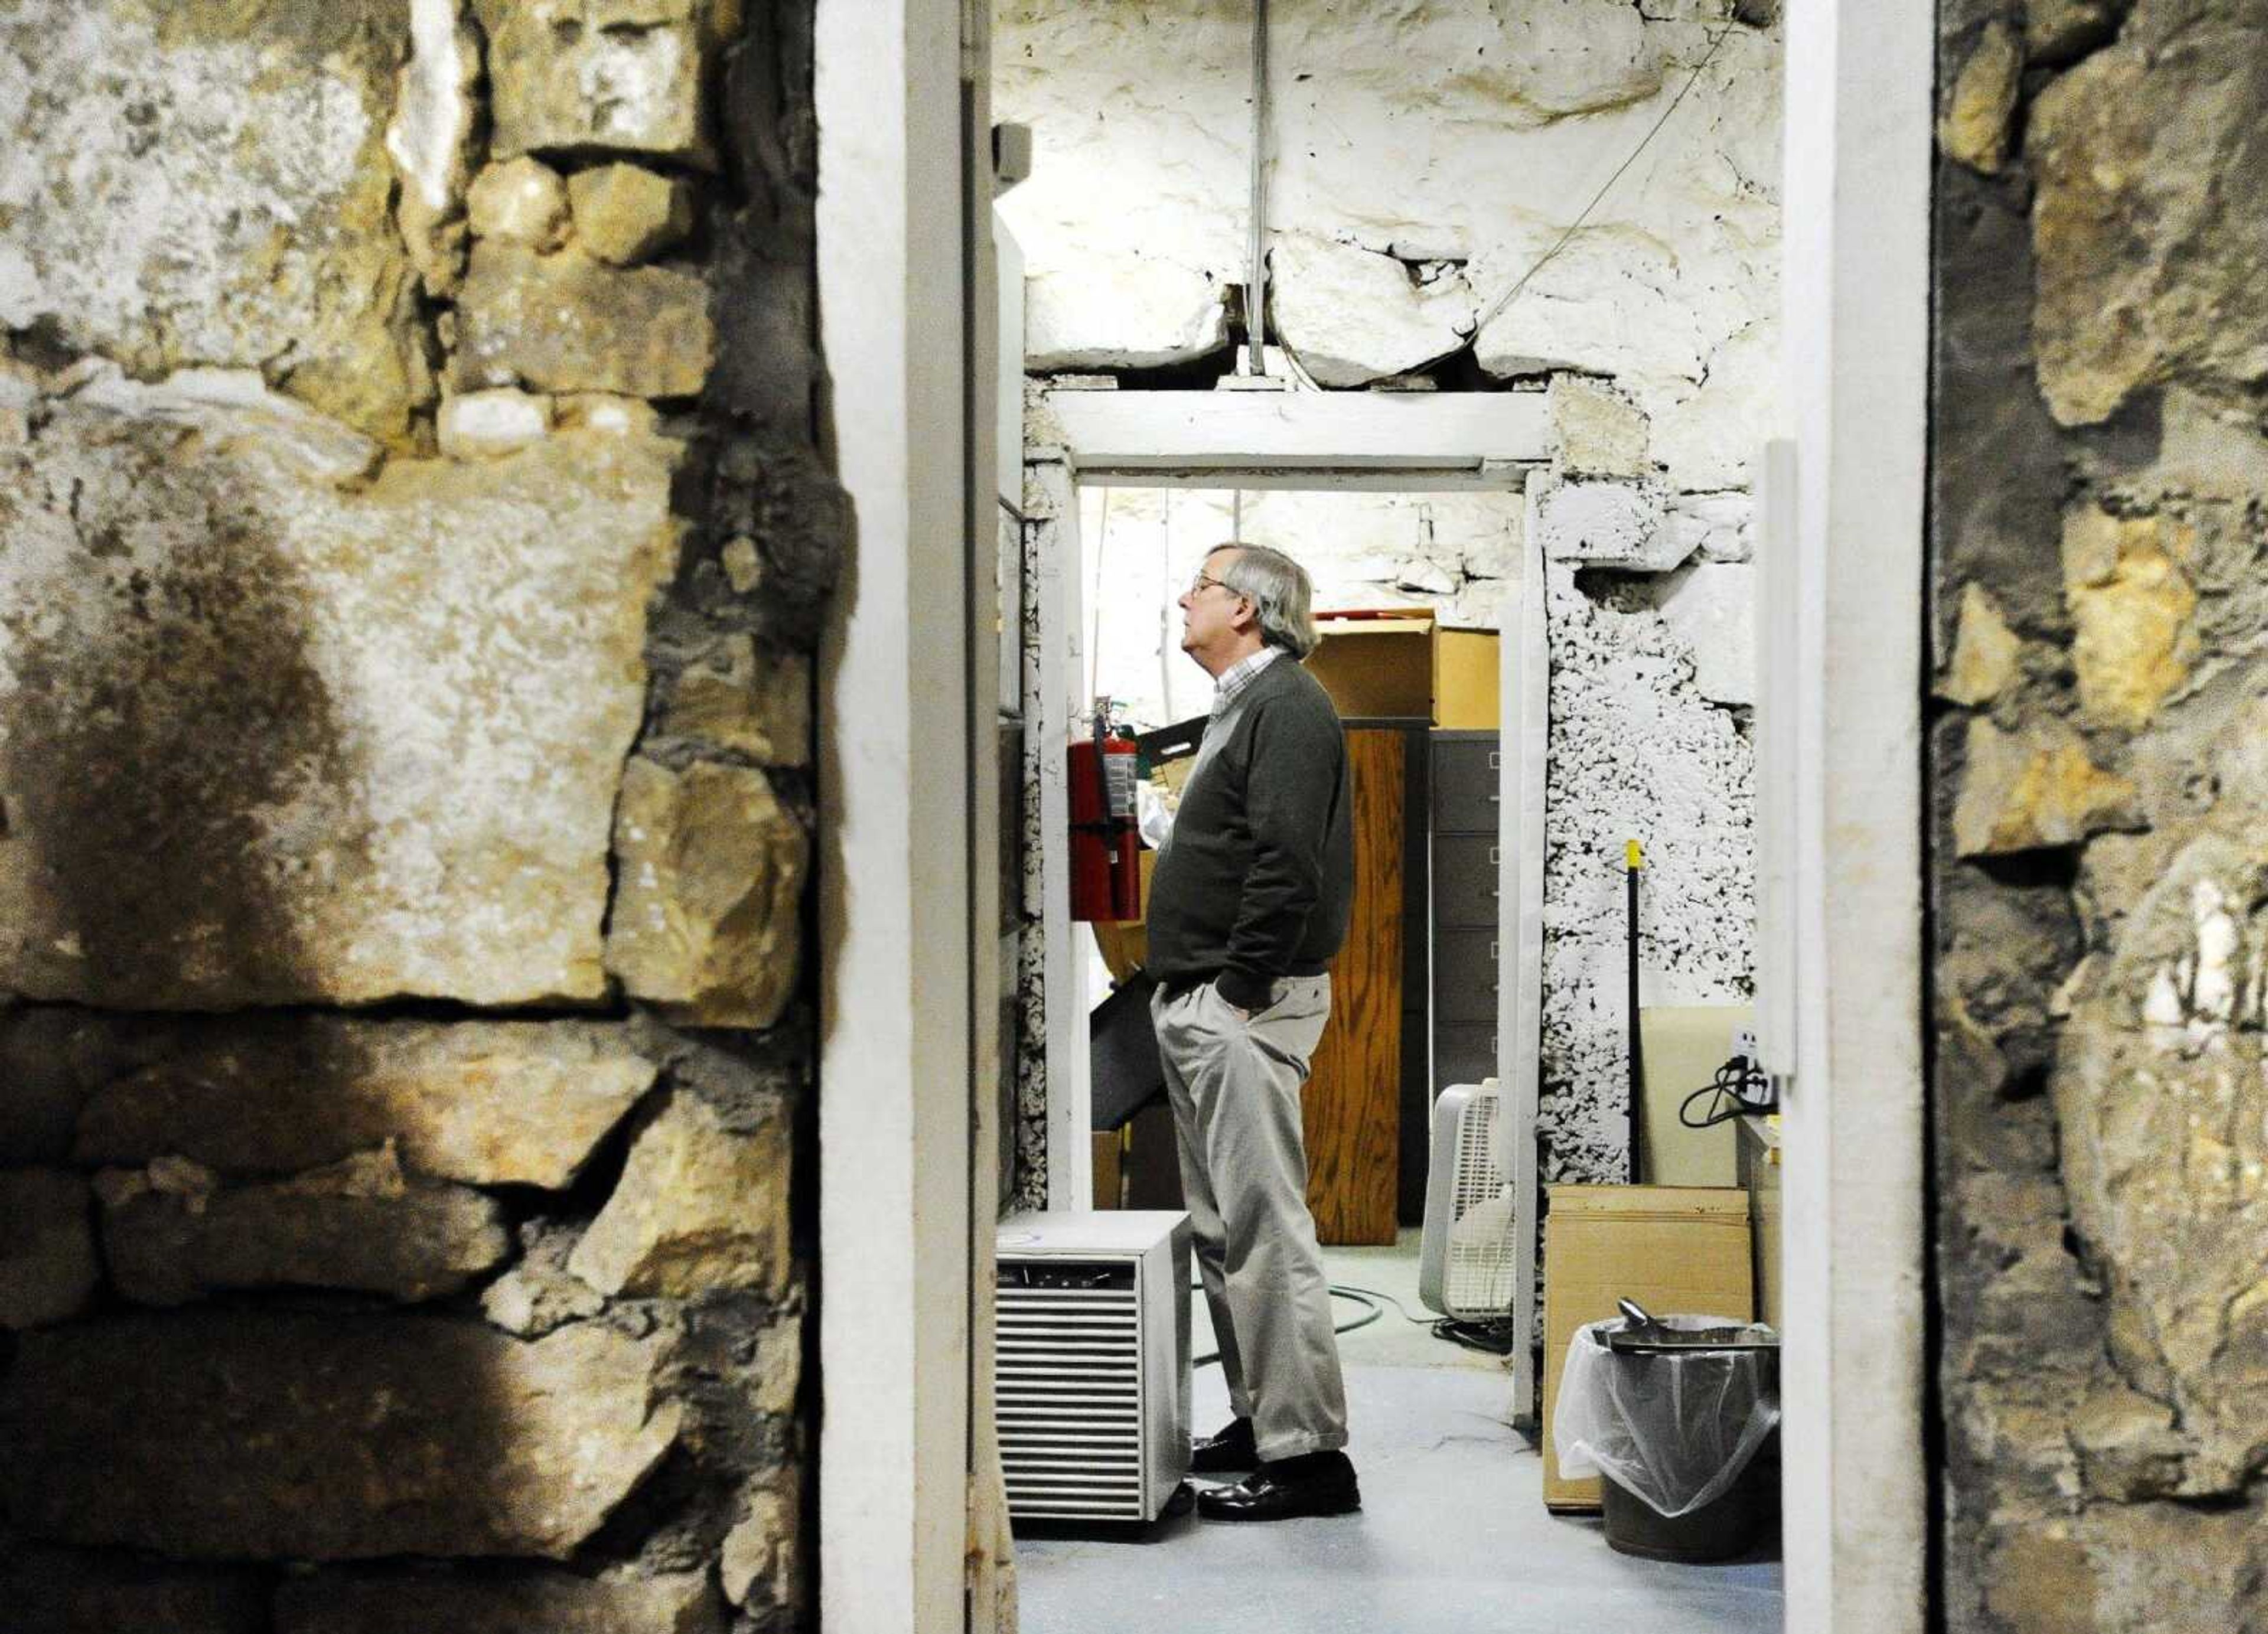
<point x="1235" y="1085"/>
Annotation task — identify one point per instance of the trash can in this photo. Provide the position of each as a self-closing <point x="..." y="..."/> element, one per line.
<point x="1672" y="1412"/>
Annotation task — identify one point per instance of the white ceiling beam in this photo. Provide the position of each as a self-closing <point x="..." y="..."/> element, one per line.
<point x="1117" y="433"/>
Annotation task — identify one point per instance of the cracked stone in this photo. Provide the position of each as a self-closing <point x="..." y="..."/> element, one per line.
<point x="625" y="214"/>
<point x="1620" y="524"/>
<point x="616" y="76"/>
<point x="568" y="323"/>
<point x="757" y="703"/>
<point x="700" y="1208"/>
<point x="2032" y="790"/>
<point x="1976" y="127"/>
<point x="1596" y="432"/>
<point x="554" y="1602"/>
<point x="2130" y="602"/>
<point x="2143" y="276"/>
<point x="483" y="1102"/>
<point x="267" y="1436"/>
<point x="360" y="1225"/>
<point x="1984" y="651"/>
<point x="1351" y="316"/>
<point x="707" y="913"/>
<point x="335" y="788"/>
<point x="522" y="200"/>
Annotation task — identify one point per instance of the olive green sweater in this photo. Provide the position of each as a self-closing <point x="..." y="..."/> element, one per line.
<point x="1256" y="880"/>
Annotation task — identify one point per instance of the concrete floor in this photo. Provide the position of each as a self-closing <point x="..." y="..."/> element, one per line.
<point x="1452" y="1536"/>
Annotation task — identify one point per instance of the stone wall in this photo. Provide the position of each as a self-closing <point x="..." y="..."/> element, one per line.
<point x="411" y="547"/>
<point x="2100" y="789"/>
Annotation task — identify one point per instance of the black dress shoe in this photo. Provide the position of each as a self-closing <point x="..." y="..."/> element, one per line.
<point x="1320" y="1483"/>
<point x="1233" y="1449"/>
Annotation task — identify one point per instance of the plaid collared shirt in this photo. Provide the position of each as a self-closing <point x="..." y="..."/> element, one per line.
<point x="1240" y="675"/>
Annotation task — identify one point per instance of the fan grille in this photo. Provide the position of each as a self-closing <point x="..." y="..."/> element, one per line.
<point x="1477" y="1279"/>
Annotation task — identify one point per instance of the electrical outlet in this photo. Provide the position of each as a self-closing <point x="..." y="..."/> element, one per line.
<point x="1744" y="1045"/>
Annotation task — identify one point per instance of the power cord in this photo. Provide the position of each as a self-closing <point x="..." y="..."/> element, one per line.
<point x="1367" y="1298"/>
<point x="1740" y="1087"/>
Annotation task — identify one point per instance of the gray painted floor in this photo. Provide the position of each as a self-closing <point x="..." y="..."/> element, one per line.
<point x="1453" y="1535"/>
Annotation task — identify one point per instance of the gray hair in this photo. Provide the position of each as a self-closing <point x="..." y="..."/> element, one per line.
<point x="1279" y="587"/>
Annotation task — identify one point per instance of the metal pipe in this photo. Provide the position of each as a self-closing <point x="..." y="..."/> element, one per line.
<point x="1255" y="288"/>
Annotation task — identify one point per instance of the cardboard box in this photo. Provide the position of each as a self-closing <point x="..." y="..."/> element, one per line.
<point x="1466" y="695"/>
<point x="1410" y="668"/>
<point x="1376" y="666"/>
<point x="1677" y="1250"/>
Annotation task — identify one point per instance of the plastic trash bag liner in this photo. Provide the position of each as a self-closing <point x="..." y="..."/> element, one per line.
<point x="1677" y="1428"/>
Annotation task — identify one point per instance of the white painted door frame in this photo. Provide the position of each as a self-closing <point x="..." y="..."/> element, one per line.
<point x="1855" y="349"/>
<point x="894" y="1339"/>
<point x="900" y="1060"/>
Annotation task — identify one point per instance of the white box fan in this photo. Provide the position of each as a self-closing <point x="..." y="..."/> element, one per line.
<point x="1467" y="1257"/>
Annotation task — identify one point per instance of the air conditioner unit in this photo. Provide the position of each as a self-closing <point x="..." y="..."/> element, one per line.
<point x="1467" y="1258"/>
<point x="1091" y="1375"/>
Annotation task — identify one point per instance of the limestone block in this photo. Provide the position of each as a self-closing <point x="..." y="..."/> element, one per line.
<point x="1350" y="315"/>
<point x="700" y="1208"/>
<point x="2147" y="1566"/>
<point x="2145" y="154"/>
<point x="706" y="920"/>
<point x="2130" y="602"/>
<point x="1975" y="127"/>
<point x="481" y="425"/>
<point x="567" y="323"/>
<point x="2034" y="791"/>
<point x="489" y="1103"/>
<point x="57" y="1591"/>
<point x="360" y="1225"/>
<point x="756" y="702"/>
<point x="625" y="214"/>
<point x="2128" y="1446"/>
<point x="522" y="200"/>
<point x="261" y="1436"/>
<point x="47" y="1268"/>
<point x="608" y="414"/>
<point x="2057" y="31"/>
<point x="539" y="1295"/>
<point x="184" y="185"/>
<point x="1986" y="651"/>
<point x="2161" y="1102"/>
<point x="1595" y="431"/>
<point x="377" y="734"/>
<point x="1621" y="525"/>
<point x="430" y="139"/>
<point x="1711" y="606"/>
<point x="1707" y="434"/>
<point x="761" y="1550"/>
<point x="1609" y="304"/>
<point x="1112" y="315"/>
<point x="1716" y="528"/>
<point x="620" y="76"/>
<point x="554" y="1602"/>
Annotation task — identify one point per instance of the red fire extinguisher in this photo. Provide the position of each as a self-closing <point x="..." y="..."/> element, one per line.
<point x="1106" y="841"/>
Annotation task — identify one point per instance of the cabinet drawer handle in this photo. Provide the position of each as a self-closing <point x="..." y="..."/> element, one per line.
<point x="1496" y="855"/>
<point x="1492" y="1043"/>
<point x="1496" y="760"/>
<point x="1491" y="952"/>
<point x="1496" y="799"/>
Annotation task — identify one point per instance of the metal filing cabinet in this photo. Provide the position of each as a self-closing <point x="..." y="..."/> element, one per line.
<point x="1465" y="809"/>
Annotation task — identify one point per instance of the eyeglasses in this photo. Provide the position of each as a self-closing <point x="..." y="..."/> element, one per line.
<point x="1203" y="580"/>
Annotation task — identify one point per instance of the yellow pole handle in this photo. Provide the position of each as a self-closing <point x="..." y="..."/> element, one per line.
<point x="1631" y="858"/>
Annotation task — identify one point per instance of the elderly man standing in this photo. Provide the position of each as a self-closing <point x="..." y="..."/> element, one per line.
<point x="1251" y="897"/>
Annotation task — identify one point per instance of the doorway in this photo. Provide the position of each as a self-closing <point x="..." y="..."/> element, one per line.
<point x="1856" y="194"/>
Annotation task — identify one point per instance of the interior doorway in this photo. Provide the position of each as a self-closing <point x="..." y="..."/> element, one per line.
<point x="1853" y="302"/>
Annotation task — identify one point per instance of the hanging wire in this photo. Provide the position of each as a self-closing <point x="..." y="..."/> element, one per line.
<point x="1574" y="226"/>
